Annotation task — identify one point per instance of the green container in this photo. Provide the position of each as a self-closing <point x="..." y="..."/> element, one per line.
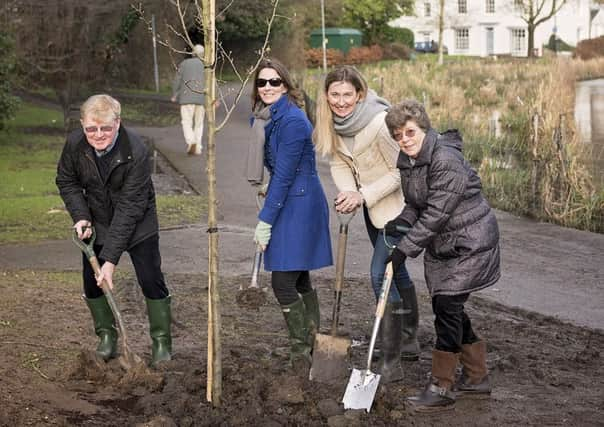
<point x="337" y="38"/>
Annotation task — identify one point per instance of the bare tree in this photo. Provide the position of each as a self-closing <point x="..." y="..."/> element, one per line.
<point x="203" y="14"/>
<point x="534" y="13"/>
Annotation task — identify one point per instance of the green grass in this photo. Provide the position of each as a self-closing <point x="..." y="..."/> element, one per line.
<point x="150" y="113"/>
<point x="30" y="207"/>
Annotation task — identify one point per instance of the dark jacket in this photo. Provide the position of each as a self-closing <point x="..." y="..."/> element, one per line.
<point x="450" y="218"/>
<point x="295" y="203"/>
<point x="122" y="208"/>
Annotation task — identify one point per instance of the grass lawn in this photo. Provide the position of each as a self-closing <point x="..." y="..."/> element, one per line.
<point x="30" y="206"/>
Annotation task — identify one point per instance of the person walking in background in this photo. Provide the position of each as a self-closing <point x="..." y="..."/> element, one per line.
<point x="187" y="90"/>
<point x="450" y="219"/>
<point x="104" y="178"/>
<point x="293" y="226"/>
<point x="351" y="131"/>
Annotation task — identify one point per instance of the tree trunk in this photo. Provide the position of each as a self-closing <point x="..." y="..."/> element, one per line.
<point x="441" y="29"/>
<point x="214" y="376"/>
<point x="531" y="40"/>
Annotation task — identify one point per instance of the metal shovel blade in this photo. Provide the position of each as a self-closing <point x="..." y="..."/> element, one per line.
<point x="329" y="358"/>
<point x="361" y="389"/>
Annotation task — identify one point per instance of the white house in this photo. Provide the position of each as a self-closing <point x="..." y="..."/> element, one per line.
<point x="495" y="27"/>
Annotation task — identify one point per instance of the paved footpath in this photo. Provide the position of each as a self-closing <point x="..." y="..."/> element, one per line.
<point x="548" y="269"/>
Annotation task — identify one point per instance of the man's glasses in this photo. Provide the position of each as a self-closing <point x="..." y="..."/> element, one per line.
<point x="274" y="82"/>
<point x="95" y="129"/>
<point x="409" y="133"/>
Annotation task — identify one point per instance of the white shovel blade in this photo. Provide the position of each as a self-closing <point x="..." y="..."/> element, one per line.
<point x="360" y="390"/>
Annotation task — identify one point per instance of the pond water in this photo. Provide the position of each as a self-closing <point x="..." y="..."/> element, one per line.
<point x="589" y="116"/>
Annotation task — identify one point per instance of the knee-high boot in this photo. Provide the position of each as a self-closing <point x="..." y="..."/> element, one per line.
<point x="297" y="325"/>
<point x="474" y="379"/>
<point x="160" y="319"/>
<point x="391" y="338"/>
<point x="313" y="314"/>
<point x="104" y="326"/>
<point x="410" y="346"/>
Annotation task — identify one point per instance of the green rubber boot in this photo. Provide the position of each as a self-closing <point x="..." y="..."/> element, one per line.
<point x="313" y="314"/>
<point x="410" y="346"/>
<point x="160" y="318"/>
<point x="297" y="325"/>
<point x="104" y="327"/>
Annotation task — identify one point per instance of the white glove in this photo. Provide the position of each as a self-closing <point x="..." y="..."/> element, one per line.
<point x="262" y="234"/>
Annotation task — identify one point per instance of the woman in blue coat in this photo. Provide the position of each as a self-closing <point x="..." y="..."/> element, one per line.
<point x="293" y="227"/>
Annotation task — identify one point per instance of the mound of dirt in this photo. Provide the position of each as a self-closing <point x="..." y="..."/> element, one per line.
<point x="542" y="370"/>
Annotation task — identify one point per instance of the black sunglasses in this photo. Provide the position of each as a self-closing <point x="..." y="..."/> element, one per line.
<point x="274" y="82"/>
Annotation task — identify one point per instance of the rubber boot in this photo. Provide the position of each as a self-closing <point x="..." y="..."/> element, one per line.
<point x="391" y="338"/>
<point x="160" y="319"/>
<point x="474" y="379"/>
<point x="297" y="325"/>
<point x="104" y="326"/>
<point x="437" y="396"/>
<point x="313" y="314"/>
<point x="410" y="346"/>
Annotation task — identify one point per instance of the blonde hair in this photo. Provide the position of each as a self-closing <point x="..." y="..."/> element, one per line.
<point x="325" y="138"/>
<point x="101" y="107"/>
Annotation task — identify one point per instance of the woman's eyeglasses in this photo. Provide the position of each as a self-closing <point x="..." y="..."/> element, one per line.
<point x="274" y="82"/>
<point x="409" y="133"/>
<point x="95" y="129"/>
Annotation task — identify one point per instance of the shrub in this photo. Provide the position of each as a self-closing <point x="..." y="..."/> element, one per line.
<point x="397" y="51"/>
<point x="399" y="35"/>
<point x="591" y="48"/>
<point x="314" y="57"/>
<point x="558" y="45"/>
<point x="8" y="103"/>
<point x="364" y="54"/>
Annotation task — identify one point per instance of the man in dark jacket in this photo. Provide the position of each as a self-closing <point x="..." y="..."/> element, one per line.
<point x="104" y="178"/>
<point x="448" y="218"/>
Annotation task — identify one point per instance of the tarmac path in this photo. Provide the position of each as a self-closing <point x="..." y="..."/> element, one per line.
<point x="548" y="269"/>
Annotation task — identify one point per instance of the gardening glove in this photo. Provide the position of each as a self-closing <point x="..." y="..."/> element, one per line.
<point x="262" y="234"/>
<point x="397" y="257"/>
<point x="396" y="227"/>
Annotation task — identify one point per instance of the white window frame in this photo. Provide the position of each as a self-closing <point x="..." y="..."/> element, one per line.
<point x="489" y="6"/>
<point x="462" y="39"/>
<point x="427" y="9"/>
<point x="462" y="7"/>
<point x="518" y="41"/>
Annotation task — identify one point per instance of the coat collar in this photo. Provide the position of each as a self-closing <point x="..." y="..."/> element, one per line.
<point x="279" y="108"/>
<point x="425" y="154"/>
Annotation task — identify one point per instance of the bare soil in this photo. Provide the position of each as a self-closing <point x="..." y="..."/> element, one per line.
<point x="544" y="372"/>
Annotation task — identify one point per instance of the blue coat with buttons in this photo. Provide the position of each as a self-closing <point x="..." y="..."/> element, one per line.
<point x="295" y="203"/>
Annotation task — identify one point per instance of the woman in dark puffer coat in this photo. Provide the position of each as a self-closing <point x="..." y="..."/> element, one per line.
<point x="449" y="219"/>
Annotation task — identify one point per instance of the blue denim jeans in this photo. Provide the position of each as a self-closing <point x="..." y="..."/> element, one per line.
<point x="378" y="268"/>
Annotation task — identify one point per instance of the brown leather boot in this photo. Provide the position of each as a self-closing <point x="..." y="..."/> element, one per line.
<point x="474" y="379"/>
<point x="437" y="396"/>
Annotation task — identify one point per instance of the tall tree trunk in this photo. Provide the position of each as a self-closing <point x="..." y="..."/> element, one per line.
<point x="531" y="40"/>
<point x="441" y="29"/>
<point x="214" y="376"/>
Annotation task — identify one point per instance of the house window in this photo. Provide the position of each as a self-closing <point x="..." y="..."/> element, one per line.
<point x="462" y="39"/>
<point x="462" y="6"/>
<point x="518" y="41"/>
<point x="427" y="9"/>
<point x="490" y="6"/>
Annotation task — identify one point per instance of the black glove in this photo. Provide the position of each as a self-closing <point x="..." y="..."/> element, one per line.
<point x="397" y="257"/>
<point x="396" y="227"/>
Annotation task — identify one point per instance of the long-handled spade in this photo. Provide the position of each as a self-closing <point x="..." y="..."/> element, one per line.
<point x="330" y="352"/>
<point x="253" y="296"/>
<point x="128" y="360"/>
<point x="363" y="384"/>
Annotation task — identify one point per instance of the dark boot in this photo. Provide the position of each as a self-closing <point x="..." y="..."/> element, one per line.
<point x="104" y="326"/>
<point x="313" y="315"/>
<point x="474" y="380"/>
<point x="160" y="318"/>
<point x="297" y="325"/>
<point x="410" y="345"/>
<point x="390" y="338"/>
<point x="437" y="396"/>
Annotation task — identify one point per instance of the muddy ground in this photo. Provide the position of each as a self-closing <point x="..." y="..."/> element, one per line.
<point x="544" y="372"/>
